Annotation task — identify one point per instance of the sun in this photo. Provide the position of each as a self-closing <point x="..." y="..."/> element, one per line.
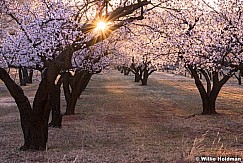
<point x="101" y="26"/>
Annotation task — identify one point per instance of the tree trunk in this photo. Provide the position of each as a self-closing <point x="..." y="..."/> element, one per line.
<point x="86" y="82"/>
<point x="208" y="102"/>
<point x="54" y="102"/>
<point x="208" y="105"/>
<point x="145" y="77"/>
<point x="67" y="80"/>
<point x="208" y="97"/>
<point x="41" y="109"/>
<point x="135" y="70"/>
<point x="126" y="71"/>
<point x="22" y="102"/>
<point x="118" y="68"/>
<point x="39" y="128"/>
<point x="239" y="79"/>
<point x="22" y="78"/>
<point x="34" y="122"/>
<point x="25" y="74"/>
<point x="80" y="82"/>
<point x="30" y="76"/>
<point x="70" y="86"/>
<point x="137" y="77"/>
<point x="200" y="75"/>
<point x="144" y="81"/>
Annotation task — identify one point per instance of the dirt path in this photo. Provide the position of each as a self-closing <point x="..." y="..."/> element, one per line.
<point x="118" y="120"/>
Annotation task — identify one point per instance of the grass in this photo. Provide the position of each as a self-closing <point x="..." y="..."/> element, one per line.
<point x="118" y="120"/>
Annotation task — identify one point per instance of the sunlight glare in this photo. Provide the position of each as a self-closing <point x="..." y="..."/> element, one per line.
<point x="101" y="26"/>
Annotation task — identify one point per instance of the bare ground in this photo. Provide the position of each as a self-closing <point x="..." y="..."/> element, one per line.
<point x="118" y="120"/>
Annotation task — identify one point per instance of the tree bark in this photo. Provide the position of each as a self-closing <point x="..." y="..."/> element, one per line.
<point x="145" y="77"/>
<point x="238" y="78"/>
<point x="137" y="77"/>
<point x="34" y="122"/>
<point x="67" y="80"/>
<point x="210" y="95"/>
<point x="135" y="70"/>
<point x="30" y="76"/>
<point x="54" y="102"/>
<point x="23" y="104"/>
<point x="79" y="83"/>
<point x="145" y="73"/>
<point x="22" y="76"/>
<point x="209" y="105"/>
<point x="39" y="129"/>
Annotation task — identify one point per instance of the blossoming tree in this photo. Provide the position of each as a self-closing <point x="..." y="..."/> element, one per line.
<point x="206" y="40"/>
<point x="141" y="55"/>
<point x="50" y="36"/>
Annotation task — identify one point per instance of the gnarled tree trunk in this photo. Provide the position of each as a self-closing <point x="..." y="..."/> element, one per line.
<point x="78" y="84"/>
<point x="22" y="102"/>
<point x="210" y="94"/>
<point x="145" y="75"/>
<point x="135" y="70"/>
<point x="34" y="121"/>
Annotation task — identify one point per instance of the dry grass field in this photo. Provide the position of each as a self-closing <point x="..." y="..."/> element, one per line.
<point x="118" y="120"/>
